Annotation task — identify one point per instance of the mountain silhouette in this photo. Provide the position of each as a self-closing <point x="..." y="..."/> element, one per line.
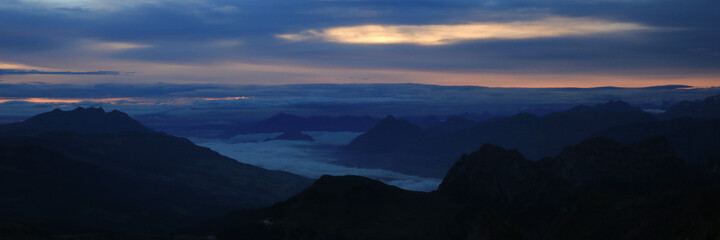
<point x="597" y="189"/>
<point x="640" y="191"/>
<point x="351" y="207"/>
<point x="709" y="108"/>
<point x="385" y="136"/>
<point x="693" y="140"/>
<point x="79" y="120"/>
<point x="432" y="153"/>
<point x="127" y="180"/>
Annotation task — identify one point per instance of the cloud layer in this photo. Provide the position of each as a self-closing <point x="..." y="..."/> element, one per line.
<point x="473" y="42"/>
<point x="430" y="35"/>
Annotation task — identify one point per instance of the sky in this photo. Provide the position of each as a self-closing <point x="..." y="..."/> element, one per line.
<point x="511" y="43"/>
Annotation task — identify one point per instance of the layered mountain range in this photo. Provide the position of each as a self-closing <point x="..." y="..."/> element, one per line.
<point x="401" y="146"/>
<point x="598" y="189"/>
<point x="609" y="171"/>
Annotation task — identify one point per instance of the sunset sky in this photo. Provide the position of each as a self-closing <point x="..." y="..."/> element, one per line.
<point x="512" y="43"/>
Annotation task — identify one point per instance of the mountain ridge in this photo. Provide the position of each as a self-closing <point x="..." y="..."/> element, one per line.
<point x="80" y="120"/>
<point x="189" y="182"/>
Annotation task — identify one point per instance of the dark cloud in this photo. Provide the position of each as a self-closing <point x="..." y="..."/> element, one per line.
<point x="192" y="31"/>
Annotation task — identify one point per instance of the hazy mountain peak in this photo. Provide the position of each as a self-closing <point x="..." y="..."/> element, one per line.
<point x="387" y="135"/>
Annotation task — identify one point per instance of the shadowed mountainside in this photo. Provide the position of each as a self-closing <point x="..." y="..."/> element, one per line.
<point x="598" y="189"/>
<point x="125" y="180"/>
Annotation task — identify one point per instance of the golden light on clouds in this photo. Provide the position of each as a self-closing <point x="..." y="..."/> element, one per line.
<point x="20" y="66"/>
<point x="429" y="35"/>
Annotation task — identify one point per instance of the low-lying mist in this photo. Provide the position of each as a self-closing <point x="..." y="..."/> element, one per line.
<point x="308" y="159"/>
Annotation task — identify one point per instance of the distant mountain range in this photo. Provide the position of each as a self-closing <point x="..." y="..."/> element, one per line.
<point x="281" y="122"/>
<point x="609" y="171"/>
<point x="431" y="153"/>
<point x="399" y="145"/>
<point x="709" y="108"/>
<point x="598" y="189"/>
<point x="284" y="122"/>
<point x="88" y="169"/>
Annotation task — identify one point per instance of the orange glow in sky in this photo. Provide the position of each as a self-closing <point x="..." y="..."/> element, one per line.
<point x="122" y="101"/>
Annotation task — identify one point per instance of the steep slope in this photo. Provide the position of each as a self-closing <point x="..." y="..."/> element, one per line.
<point x="192" y="180"/>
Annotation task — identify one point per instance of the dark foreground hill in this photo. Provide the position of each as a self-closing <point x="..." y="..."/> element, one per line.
<point x="112" y="174"/>
<point x="349" y="207"/>
<point x="598" y="189"/>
